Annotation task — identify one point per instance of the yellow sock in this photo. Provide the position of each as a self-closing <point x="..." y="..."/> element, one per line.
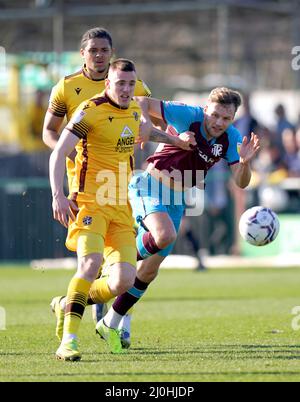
<point x="100" y="292"/>
<point x="77" y="295"/>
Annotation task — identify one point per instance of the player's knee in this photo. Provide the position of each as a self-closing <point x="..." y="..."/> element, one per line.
<point x="123" y="283"/>
<point x="88" y="268"/>
<point x="122" y="287"/>
<point x="165" y="237"/>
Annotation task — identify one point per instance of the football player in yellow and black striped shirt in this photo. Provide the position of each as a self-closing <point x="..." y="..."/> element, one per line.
<point x="97" y="126"/>
<point x="98" y="214"/>
<point x="96" y="50"/>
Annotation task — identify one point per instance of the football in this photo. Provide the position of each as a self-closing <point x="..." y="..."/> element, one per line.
<point x="259" y="226"/>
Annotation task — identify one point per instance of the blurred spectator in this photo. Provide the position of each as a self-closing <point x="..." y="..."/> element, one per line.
<point x="246" y="124"/>
<point x="291" y="156"/>
<point x="298" y="140"/>
<point x="282" y="121"/>
<point x="240" y="199"/>
<point x="298" y="122"/>
<point x="188" y="236"/>
<point x="36" y="114"/>
<point x="282" y="124"/>
<point x="268" y="167"/>
<point x="217" y="224"/>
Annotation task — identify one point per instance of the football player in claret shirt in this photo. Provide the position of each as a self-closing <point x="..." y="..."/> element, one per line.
<point x="96" y="50"/>
<point x="100" y="225"/>
<point x="216" y="138"/>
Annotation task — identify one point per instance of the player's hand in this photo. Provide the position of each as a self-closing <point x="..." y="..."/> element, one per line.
<point x="187" y="140"/>
<point x="63" y="209"/>
<point x="249" y="148"/>
<point x="144" y="132"/>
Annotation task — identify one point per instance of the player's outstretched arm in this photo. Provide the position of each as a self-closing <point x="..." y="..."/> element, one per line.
<point x="62" y="207"/>
<point x="242" y="171"/>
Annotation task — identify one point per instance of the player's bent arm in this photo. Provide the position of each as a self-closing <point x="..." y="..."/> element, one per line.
<point x="62" y="207"/>
<point x="149" y="106"/>
<point x="241" y="174"/>
<point x="248" y="150"/>
<point x="51" y="128"/>
<point x="183" y="141"/>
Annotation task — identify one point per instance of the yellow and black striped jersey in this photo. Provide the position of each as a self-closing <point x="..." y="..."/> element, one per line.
<point x="107" y="134"/>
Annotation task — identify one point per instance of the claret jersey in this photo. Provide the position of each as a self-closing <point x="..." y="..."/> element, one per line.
<point x="205" y="154"/>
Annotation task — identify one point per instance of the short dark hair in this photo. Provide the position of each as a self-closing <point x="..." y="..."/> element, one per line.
<point x="123" y="65"/>
<point x="95" y="33"/>
<point x="226" y="96"/>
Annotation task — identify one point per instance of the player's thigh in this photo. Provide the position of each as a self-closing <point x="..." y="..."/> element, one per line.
<point x="90" y="248"/>
<point x="160" y="223"/>
<point x="90" y="219"/>
<point x="120" y="244"/>
<point x="120" y="256"/>
<point x="148" y="269"/>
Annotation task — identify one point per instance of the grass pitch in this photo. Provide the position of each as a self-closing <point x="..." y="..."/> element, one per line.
<point x="220" y="325"/>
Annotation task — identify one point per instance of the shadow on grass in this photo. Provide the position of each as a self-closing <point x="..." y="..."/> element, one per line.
<point x="152" y="299"/>
<point x="229" y="351"/>
<point x="204" y="354"/>
<point x="179" y="375"/>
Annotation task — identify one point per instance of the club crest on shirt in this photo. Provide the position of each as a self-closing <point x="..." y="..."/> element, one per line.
<point x="136" y="116"/>
<point x="87" y="220"/>
<point x="217" y="150"/>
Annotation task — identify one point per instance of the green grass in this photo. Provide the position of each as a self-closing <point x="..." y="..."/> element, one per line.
<point x="221" y="325"/>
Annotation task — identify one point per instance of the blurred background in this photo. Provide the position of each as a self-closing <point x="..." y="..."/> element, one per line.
<point x="182" y="50"/>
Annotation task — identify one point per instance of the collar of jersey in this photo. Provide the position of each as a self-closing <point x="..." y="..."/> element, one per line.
<point x="85" y="73"/>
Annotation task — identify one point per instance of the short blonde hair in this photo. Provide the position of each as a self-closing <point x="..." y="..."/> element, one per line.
<point x="225" y="96"/>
